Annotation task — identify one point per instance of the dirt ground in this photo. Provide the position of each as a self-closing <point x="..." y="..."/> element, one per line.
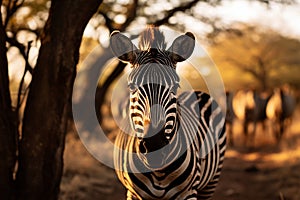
<point x="266" y="171"/>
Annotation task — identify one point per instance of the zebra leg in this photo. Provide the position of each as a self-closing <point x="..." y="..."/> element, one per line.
<point x="230" y="133"/>
<point x="276" y="131"/>
<point x="131" y="196"/>
<point x="207" y="192"/>
<point x="252" y="137"/>
<point x="281" y="130"/>
<point x="245" y="129"/>
<point x="264" y="126"/>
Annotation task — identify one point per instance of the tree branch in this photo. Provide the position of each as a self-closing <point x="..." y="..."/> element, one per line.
<point x="27" y="68"/>
<point x="131" y="15"/>
<point x="13" y="42"/>
<point x="108" y="21"/>
<point x="11" y="9"/>
<point x="243" y="66"/>
<point x="171" y="13"/>
<point x="288" y="2"/>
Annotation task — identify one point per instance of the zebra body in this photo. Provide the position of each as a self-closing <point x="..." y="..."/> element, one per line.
<point x="167" y="183"/>
<point x="250" y="107"/>
<point x="229" y="117"/>
<point x="177" y="144"/>
<point x="279" y="111"/>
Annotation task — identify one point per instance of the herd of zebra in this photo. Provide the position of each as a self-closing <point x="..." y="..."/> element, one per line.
<point x="251" y="107"/>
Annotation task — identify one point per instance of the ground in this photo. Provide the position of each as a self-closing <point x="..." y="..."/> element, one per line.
<point x="267" y="171"/>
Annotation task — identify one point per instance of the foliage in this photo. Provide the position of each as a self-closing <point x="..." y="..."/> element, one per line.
<point x="262" y="54"/>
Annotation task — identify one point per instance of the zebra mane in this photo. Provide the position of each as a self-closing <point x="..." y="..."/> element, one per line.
<point x="152" y="37"/>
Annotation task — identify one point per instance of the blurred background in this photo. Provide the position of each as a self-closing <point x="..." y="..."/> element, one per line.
<point x="255" y="44"/>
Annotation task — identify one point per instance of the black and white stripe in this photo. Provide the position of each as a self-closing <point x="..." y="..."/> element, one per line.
<point x="177" y="145"/>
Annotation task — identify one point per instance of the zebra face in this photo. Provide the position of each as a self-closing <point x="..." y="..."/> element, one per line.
<point x="153" y="105"/>
<point x="153" y="100"/>
<point x="153" y="84"/>
<point x="153" y="109"/>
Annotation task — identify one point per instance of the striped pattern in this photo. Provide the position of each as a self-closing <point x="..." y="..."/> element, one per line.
<point x="153" y="88"/>
<point x="196" y="172"/>
<point x="177" y="145"/>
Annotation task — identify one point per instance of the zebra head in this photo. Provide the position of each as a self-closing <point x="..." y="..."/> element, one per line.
<point x="153" y="84"/>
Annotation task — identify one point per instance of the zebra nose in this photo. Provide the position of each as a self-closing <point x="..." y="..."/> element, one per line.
<point x="157" y="118"/>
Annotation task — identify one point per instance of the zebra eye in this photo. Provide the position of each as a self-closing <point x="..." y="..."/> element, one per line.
<point x="132" y="87"/>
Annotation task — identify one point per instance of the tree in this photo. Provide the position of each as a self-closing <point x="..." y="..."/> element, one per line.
<point x="263" y="54"/>
<point x="7" y="126"/>
<point x="40" y="149"/>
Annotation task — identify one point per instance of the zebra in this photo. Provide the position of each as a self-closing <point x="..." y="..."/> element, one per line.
<point x="250" y="108"/>
<point x="177" y="144"/>
<point x="229" y="117"/>
<point x="279" y="111"/>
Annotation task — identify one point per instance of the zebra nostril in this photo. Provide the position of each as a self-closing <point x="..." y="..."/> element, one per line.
<point x="168" y="138"/>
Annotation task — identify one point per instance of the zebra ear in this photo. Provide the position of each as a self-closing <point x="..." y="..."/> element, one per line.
<point x="122" y="47"/>
<point x="182" y="47"/>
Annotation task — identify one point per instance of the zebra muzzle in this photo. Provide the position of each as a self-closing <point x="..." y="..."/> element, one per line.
<point x="152" y="157"/>
<point x="157" y="116"/>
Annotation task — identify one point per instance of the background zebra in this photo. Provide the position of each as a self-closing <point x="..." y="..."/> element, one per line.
<point x="177" y="144"/>
<point x="229" y="118"/>
<point x="273" y="111"/>
<point x="249" y="106"/>
<point x="279" y="110"/>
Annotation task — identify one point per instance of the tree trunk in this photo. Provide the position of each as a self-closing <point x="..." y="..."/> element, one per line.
<point x="7" y="124"/>
<point x="262" y="74"/>
<point x="49" y="98"/>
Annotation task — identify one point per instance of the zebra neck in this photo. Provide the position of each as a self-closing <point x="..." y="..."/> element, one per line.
<point x="175" y="128"/>
<point x="177" y="121"/>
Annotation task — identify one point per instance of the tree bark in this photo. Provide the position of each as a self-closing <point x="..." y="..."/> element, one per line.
<point x="7" y="124"/>
<point x="49" y="98"/>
